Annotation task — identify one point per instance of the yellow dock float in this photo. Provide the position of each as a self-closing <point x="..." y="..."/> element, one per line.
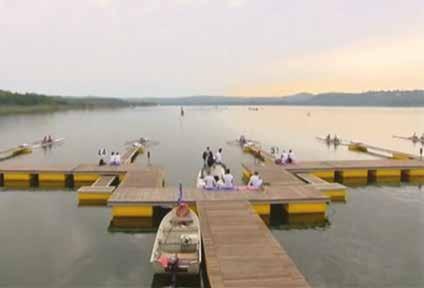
<point x="306" y="208"/>
<point x="388" y="175"/>
<point x="347" y="174"/>
<point x="98" y="193"/>
<point x="134" y="181"/>
<point x="16" y="177"/>
<point x="327" y="175"/>
<point x="35" y="175"/>
<point x="335" y="191"/>
<point x="262" y="209"/>
<point x="88" y="174"/>
<point x="137" y="211"/>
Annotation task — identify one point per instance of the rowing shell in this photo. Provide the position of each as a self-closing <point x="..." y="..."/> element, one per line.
<point x="48" y="144"/>
<point x="413" y="139"/>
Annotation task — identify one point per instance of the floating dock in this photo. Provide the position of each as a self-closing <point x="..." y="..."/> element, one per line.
<point x="381" y="152"/>
<point x="274" y="176"/>
<point x="141" y="202"/>
<point x="367" y="170"/>
<point x="99" y="192"/>
<point x="240" y="251"/>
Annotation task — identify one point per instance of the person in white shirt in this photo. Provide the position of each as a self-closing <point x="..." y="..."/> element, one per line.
<point x="228" y="180"/>
<point x="117" y="159"/>
<point x="112" y="158"/>
<point x="255" y="181"/>
<point x="284" y="157"/>
<point x="218" y="156"/>
<point x="291" y="157"/>
<point x="210" y="182"/>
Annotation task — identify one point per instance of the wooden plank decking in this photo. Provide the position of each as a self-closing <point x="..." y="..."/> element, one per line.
<point x="169" y="195"/>
<point x="142" y="178"/>
<point x="104" y="181"/>
<point x="240" y="251"/>
<point x="273" y="174"/>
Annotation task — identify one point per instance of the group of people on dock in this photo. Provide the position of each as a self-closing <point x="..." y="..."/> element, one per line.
<point x="114" y="159"/>
<point x="215" y="182"/>
<point x="225" y="181"/>
<point x="210" y="159"/>
<point x="415" y="137"/>
<point x="286" y="158"/>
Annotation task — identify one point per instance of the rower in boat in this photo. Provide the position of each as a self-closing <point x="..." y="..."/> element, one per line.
<point x="242" y="140"/>
<point x="336" y="140"/>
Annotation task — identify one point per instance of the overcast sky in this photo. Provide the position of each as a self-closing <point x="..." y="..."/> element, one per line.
<point x="156" y="48"/>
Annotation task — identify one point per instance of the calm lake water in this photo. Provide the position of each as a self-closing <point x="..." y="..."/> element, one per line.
<point x="374" y="240"/>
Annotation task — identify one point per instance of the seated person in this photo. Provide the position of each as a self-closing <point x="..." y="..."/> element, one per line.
<point x="291" y="158"/>
<point x="255" y="181"/>
<point x="112" y="158"/>
<point x="228" y="180"/>
<point x="210" y="182"/>
<point x="117" y="159"/>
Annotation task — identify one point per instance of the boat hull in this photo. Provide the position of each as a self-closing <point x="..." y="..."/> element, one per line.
<point x="178" y="241"/>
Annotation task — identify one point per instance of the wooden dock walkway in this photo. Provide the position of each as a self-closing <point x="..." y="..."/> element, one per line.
<point x="131" y="153"/>
<point x="240" y="251"/>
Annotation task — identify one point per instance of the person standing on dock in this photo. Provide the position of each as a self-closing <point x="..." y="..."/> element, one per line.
<point x="284" y="157"/>
<point x="205" y="156"/>
<point x="291" y="157"/>
<point x="421" y="153"/>
<point x="218" y="157"/>
<point x="210" y="160"/>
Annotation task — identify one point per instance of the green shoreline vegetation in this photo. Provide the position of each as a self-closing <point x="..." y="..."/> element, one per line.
<point x="15" y="103"/>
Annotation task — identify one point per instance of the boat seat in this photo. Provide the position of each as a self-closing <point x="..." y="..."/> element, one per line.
<point x="177" y="247"/>
<point x="182" y="229"/>
<point x="188" y="256"/>
<point x="174" y="242"/>
<point x="178" y="220"/>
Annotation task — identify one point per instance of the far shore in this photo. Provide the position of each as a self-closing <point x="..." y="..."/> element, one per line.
<point x="17" y="109"/>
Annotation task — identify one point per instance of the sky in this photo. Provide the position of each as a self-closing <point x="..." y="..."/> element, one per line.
<point x="158" y="48"/>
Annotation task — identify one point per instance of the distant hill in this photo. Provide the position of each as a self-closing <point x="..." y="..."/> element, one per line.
<point x="413" y="98"/>
<point x="11" y="102"/>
